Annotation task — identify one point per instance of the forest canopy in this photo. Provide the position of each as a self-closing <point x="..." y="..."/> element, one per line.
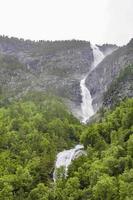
<point x="33" y="130"/>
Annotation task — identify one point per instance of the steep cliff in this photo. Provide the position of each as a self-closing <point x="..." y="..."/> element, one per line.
<point x="99" y="80"/>
<point x="55" y="67"/>
<point x="120" y="88"/>
<point x="58" y="67"/>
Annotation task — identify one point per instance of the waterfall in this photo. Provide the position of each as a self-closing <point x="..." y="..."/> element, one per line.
<point x="98" y="56"/>
<point x="65" y="158"/>
<point x="86" y="105"/>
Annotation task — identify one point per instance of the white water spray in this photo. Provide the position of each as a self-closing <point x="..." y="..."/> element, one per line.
<point x="98" y="56"/>
<point x="65" y="158"/>
<point x="86" y="105"/>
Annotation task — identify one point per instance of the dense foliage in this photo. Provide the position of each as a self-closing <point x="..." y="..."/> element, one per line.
<point x="31" y="134"/>
<point x="107" y="170"/>
<point x="34" y="129"/>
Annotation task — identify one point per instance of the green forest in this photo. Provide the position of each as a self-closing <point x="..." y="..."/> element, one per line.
<point x="34" y="129"/>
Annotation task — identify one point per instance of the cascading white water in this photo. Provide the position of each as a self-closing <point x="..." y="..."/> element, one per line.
<point x="65" y="158"/>
<point x="98" y="56"/>
<point x="86" y="105"/>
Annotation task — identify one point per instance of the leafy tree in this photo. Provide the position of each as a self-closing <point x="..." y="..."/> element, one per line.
<point x="105" y="188"/>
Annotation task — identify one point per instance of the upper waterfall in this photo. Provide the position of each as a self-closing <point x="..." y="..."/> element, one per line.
<point x="98" y="56"/>
<point x="86" y="105"/>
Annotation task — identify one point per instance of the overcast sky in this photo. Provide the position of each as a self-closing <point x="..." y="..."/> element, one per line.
<point x="99" y="21"/>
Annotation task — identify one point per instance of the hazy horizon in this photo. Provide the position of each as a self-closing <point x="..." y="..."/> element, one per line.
<point x="100" y="22"/>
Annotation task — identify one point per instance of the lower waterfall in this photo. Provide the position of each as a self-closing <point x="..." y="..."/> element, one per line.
<point x="86" y="105"/>
<point x="65" y="158"/>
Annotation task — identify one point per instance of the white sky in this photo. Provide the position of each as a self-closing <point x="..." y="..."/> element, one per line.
<point x="98" y="21"/>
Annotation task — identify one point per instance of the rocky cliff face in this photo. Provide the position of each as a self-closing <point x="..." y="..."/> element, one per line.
<point x="58" y="67"/>
<point x="55" y="67"/>
<point x="120" y="88"/>
<point x="99" y="80"/>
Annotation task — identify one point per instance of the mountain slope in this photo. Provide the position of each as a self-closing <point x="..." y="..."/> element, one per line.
<point x="47" y="66"/>
<point x="120" y="88"/>
<point x="53" y="67"/>
<point x="100" y="78"/>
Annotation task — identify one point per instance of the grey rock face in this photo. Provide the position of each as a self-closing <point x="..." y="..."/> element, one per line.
<point x="55" y="67"/>
<point x="99" y="80"/>
<point x="58" y="67"/>
<point x="120" y="88"/>
<point x="107" y="48"/>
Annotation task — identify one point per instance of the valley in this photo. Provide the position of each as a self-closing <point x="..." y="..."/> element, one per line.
<point x="66" y="120"/>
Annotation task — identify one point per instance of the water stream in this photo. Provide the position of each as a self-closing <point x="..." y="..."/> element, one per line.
<point x="65" y="158"/>
<point x="86" y="105"/>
